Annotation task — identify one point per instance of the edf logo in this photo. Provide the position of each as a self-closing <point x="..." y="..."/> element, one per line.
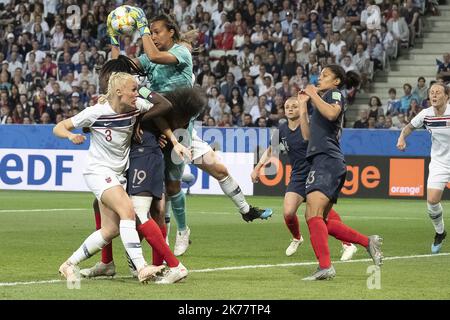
<point x="38" y="169"/>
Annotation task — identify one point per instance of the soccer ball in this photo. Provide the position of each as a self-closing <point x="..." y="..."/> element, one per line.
<point x="121" y="21"/>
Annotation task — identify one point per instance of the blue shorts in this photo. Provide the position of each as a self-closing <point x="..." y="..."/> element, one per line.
<point x="326" y="175"/>
<point x="297" y="182"/>
<point x="146" y="172"/>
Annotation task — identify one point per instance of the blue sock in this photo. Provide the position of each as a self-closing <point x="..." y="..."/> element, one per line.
<point x="179" y="209"/>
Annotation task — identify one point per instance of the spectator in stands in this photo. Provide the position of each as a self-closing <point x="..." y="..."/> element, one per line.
<point x="287" y="24"/>
<point x="362" y="123"/>
<point x="336" y="45"/>
<point x="236" y="115"/>
<point x="211" y="122"/>
<point x="248" y="120"/>
<point x="421" y="90"/>
<point x="234" y="68"/>
<point x="414" y="109"/>
<point x="221" y="68"/>
<point x="348" y="64"/>
<point x="371" y="123"/>
<point x="444" y="68"/>
<point x="250" y="99"/>
<point x="406" y="99"/>
<point x="315" y="43"/>
<point x="273" y="67"/>
<point x="303" y="56"/>
<point x="393" y="104"/>
<point x="399" y="28"/>
<point x="388" y="42"/>
<point x="221" y="109"/>
<point x="399" y="121"/>
<point x="375" y="51"/>
<point x="353" y="14"/>
<point x="349" y="34"/>
<point x="339" y="21"/>
<point x="39" y="54"/>
<point x="388" y="123"/>
<point x="375" y="109"/>
<point x="213" y="98"/>
<point x="45" y="118"/>
<point x="238" y="38"/>
<point x="381" y="122"/>
<point x="49" y="68"/>
<point x="297" y="80"/>
<point x="411" y="15"/>
<point x="236" y="97"/>
<point x="224" y="40"/>
<point x="227" y="86"/>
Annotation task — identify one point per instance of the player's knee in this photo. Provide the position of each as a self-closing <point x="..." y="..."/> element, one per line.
<point x="219" y="171"/>
<point x="434" y="208"/>
<point x="110" y="232"/>
<point x="433" y="199"/>
<point x="289" y="212"/>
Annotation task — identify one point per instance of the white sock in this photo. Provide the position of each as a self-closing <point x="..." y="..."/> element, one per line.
<point x="167" y="219"/>
<point x="436" y="214"/>
<point x="142" y="207"/>
<point x="130" y="240"/>
<point x="93" y="244"/>
<point x="233" y="191"/>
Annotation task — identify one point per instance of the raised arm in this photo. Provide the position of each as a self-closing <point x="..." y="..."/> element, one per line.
<point x="304" y="118"/>
<point x="329" y="111"/>
<point x="154" y="54"/>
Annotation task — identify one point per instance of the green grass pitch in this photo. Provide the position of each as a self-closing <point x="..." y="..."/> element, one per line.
<point x="35" y="241"/>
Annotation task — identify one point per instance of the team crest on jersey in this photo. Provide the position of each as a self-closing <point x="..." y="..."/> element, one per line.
<point x="108" y="180"/>
<point x="284" y="147"/>
<point x="336" y="95"/>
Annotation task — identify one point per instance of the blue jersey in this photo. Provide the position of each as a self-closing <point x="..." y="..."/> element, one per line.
<point x="326" y="134"/>
<point x="292" y="141"/>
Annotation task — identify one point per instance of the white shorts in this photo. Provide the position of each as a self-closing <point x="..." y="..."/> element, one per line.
<point x="99" y="183"/>
<point x="438" y="176"/>
<point x="199" y="147"/>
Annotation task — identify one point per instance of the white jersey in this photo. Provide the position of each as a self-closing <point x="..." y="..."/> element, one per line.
<point x="439" y="127"/>
<point x="111" y="136"/>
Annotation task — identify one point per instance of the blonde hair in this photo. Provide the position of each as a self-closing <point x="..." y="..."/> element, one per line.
<point x="116" y="80"/>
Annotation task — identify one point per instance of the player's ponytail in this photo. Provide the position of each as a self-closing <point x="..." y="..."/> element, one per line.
<point x="348" y="80"/>
<point x="121" y="64"/>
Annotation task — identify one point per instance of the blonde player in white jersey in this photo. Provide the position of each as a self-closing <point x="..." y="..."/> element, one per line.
<point x="436" y="120"/>
<point x="111" y="122"/>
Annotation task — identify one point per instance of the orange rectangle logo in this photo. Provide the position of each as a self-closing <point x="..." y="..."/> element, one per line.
<point x="406" y="177"/>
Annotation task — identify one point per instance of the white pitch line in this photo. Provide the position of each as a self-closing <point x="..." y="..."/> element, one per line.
<point x="44" y="210"/>
<point x="280" y="265"/>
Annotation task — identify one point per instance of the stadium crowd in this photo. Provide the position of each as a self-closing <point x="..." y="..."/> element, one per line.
<point x="249" y="56"/>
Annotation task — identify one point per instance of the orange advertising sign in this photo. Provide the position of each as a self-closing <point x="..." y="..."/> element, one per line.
<point x="406" y="178"/>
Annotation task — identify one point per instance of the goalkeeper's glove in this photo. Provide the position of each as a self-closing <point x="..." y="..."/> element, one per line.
<point x="113" y="36"/>
<point x="141" y="21"/>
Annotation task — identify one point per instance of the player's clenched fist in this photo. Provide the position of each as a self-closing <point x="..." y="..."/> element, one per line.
<point x="401" y="144"/>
